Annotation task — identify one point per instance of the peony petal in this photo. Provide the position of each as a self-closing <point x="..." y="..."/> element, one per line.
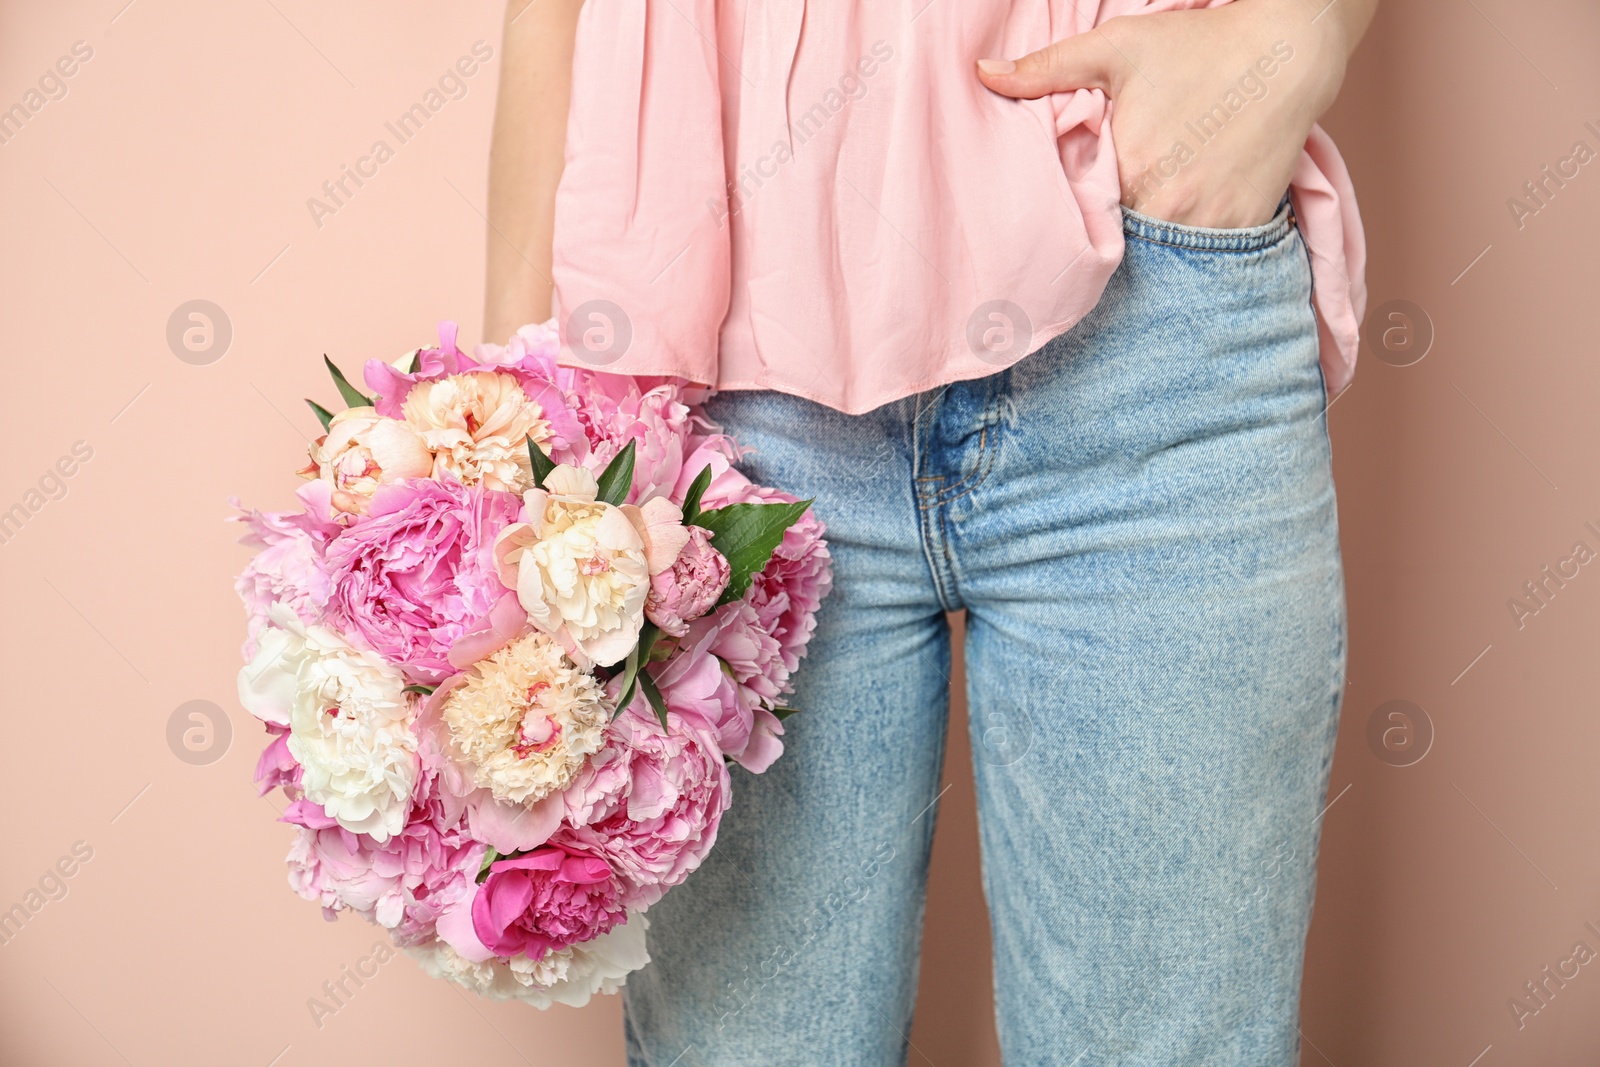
<point x="764" y="746"/>
<point x="570" y="481"/>
<point x="398" y="450"/>
<point x="456" y="930"/>
<point x="504" y="624"/>
<point x="512" y="827"/>
<point x="266" y="689"/>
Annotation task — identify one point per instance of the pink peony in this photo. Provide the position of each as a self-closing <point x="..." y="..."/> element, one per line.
<point x="690" y="587"/>
<point x="615" y="412"/>
<point x="790" y="588"/>
<point x="752" y="654"/>
<point x="403" y="884"/>
<point x="730" y="702"/>
<point x="289" y="566"/>
<point x="544" y="899"/>
<point x="277" y="767"/>
<point x="418" y="574"/>
<point x="649" y="803"/>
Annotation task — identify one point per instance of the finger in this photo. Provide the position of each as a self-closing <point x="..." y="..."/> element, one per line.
<point x="1083" y="61"/>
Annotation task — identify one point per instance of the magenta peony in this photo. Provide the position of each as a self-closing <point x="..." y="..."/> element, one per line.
<point x="690" y="587"/>
<point x="418" y="574"/>
<point x="545" y="899"/>
<point x="649" y="803"/>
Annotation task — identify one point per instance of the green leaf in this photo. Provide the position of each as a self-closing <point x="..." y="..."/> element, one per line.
<point x="425" y="690"/>
<point x="352" y="396"/>
<point x="630" y="673"/>
<point x="630" y="677"/>
<point x="653" y="695"/>
<point x="747" y="535"/>
<point x="542" y="464"/>
<point x="489" y="856"/>
<point x="627" y="695"/>
<point x="324" y="416"/>
<point x="617" y="479"/>
<point x="697" y="489"/>
<point x="783" y="713"/>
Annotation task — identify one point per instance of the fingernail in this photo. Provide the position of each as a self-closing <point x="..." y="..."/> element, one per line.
<point x="996" y="66"/>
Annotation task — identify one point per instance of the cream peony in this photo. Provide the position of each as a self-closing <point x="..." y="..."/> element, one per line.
<point x="569" y="975"/>
<point x="363" y="450"/>
<point x="525" y="720"/>
<point x="477" y="424"/>
<point x="582" y="568"/>
<point x="349" y="721"/>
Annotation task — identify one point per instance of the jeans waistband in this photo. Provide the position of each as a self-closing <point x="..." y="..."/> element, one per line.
<point x="1243" y="239"/>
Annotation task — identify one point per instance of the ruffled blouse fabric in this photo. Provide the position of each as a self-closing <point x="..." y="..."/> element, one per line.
<point x="822" y="199"/>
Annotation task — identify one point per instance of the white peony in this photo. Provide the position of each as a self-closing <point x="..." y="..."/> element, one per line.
<point x="568" y="975"/>
<point x="477" y="425"/>
<point x="579" y="567"/>
<point x="349" y="721"/>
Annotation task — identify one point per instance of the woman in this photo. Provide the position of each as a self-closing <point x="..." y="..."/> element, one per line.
<point x="890" y="234"/>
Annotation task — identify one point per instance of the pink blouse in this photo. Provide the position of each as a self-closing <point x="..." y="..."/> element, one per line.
<point x="821" y="198"/>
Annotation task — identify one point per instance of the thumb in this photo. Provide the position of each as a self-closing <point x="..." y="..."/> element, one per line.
<point x="1082" y="61"/>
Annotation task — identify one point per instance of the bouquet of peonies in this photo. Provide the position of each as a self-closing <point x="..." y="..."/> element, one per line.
<point x="506" y="650"/>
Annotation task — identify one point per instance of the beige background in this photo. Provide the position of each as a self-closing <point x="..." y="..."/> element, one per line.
<point x="177" y="167"/>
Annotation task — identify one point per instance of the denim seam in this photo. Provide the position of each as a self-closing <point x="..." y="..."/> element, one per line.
<point x="1195" y="239"/>
<point x="1274" y="243"/>
<point x="986" y="454"/>
<point x="928" y="534"/>
<point x="934" y="551"/>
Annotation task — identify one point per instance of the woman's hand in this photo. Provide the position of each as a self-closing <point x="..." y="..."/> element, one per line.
<point x="1211" y="107"/>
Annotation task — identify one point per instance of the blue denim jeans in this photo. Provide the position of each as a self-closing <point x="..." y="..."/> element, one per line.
<point x="1139" y="522"/>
